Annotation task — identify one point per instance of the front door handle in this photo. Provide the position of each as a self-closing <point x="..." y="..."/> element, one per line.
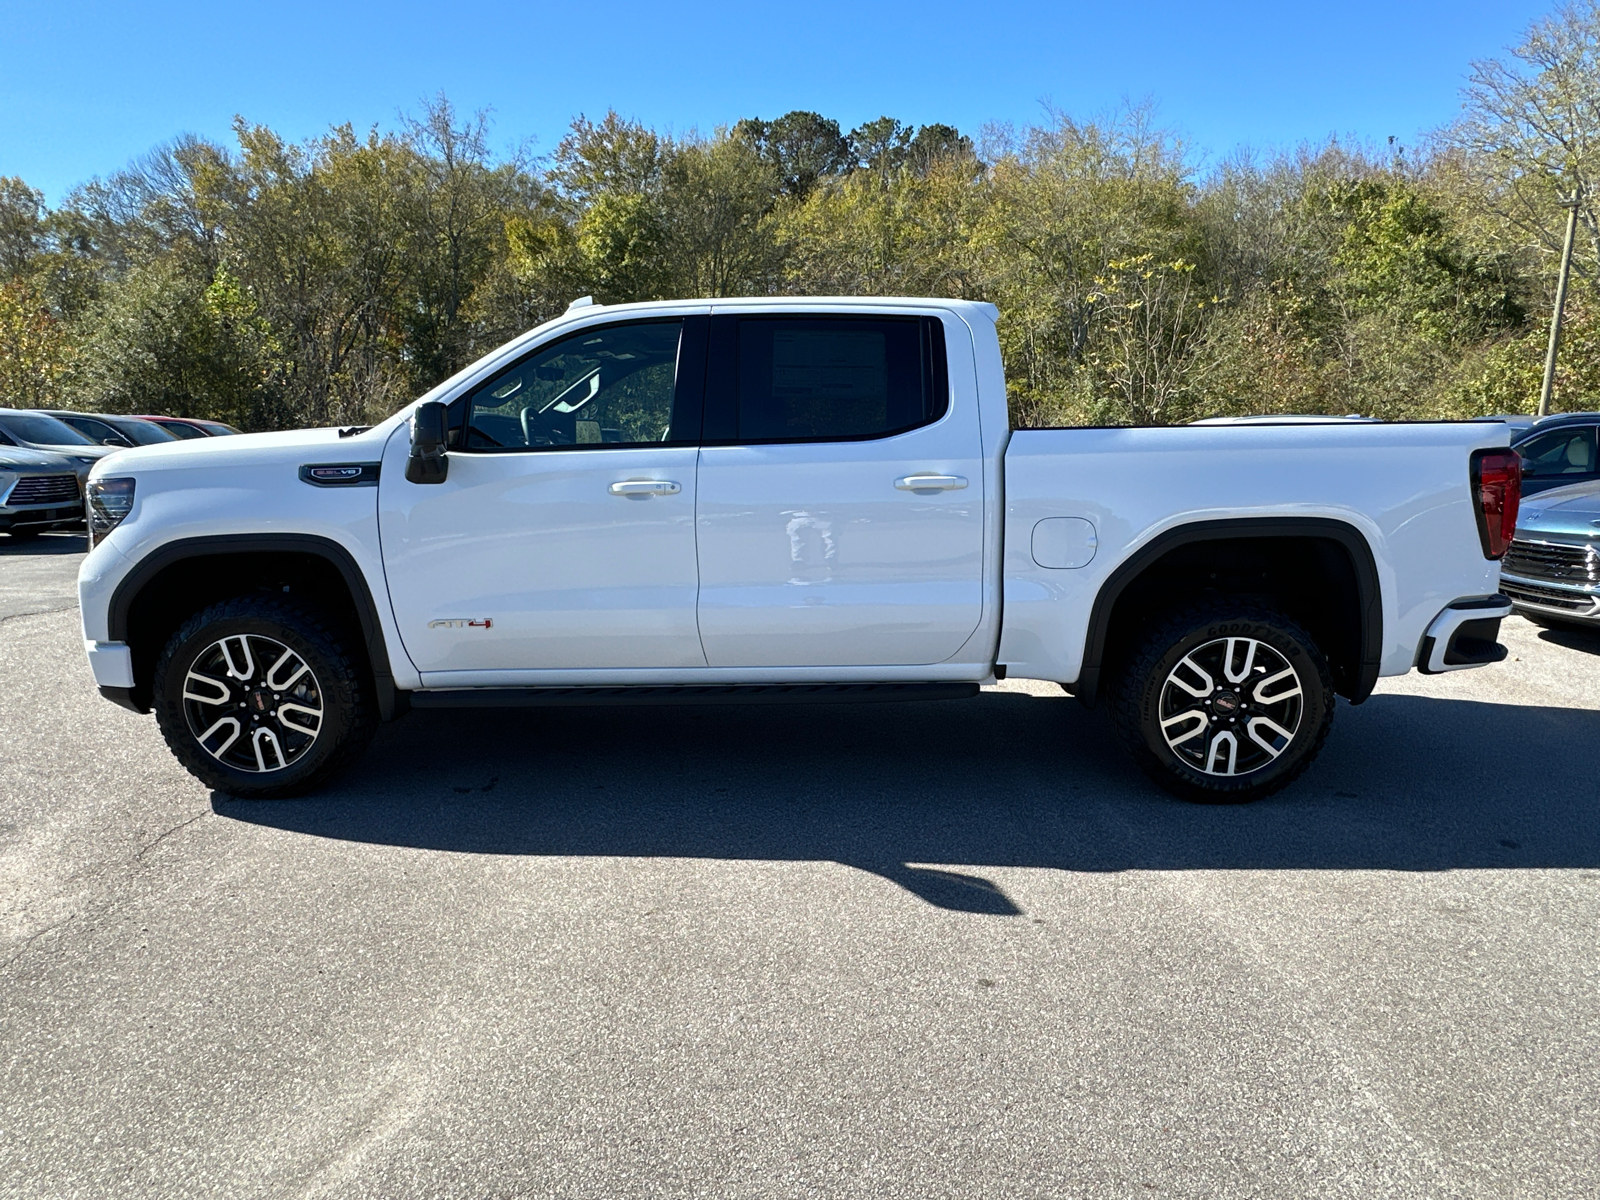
<point x="645" y="487"/>
<point x="931" y="483"/>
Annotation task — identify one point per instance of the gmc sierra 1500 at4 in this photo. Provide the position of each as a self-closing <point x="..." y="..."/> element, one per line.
<point x="795" y="499"/>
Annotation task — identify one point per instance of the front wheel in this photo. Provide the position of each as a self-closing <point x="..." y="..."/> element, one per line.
<point x="262" y="696"/>
<point x="1224" y="702"/>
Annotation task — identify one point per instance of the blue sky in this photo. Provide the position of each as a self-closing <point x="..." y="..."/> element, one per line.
<point x="84" y="87"/>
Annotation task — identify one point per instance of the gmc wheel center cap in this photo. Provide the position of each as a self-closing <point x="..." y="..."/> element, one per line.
<point x="1225" y="703"/>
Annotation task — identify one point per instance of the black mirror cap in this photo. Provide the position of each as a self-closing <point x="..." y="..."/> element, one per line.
<point x="430" y="431"/>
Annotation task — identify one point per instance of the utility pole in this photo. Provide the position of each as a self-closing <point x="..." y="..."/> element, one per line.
<point x="1561" y="301"/>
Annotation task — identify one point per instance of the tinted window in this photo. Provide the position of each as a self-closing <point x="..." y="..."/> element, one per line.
<point x="811" y="378"/>
<point x="42" y="430"/>
<point x="179" y="430"/>
<point x="611" y="386"/>
<point x="1568" y="451"/>
<point x="96" y="431"/>
<point x="143" y="433"/>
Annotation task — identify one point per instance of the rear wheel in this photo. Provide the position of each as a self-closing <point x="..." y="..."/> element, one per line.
<point x="1224" y="702"/>
<point x="262" y="696"/>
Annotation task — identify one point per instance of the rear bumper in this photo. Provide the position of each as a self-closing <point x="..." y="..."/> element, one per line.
<point x="1466" y="634"/>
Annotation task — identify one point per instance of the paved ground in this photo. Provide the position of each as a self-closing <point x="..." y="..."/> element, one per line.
<point x="953" y="949"/>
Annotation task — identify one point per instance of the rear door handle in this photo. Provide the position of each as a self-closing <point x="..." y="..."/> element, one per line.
<point x="645" y="487"/>
<point x="931" y="483"/>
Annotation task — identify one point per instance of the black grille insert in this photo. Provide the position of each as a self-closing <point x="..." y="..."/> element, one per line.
<point x="1530" y="593"/>
<point x="44" y="489"/>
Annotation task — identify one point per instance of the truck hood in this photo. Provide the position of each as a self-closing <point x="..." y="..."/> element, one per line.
<point x="245" y="450"/>
<point x="1573" y="510"/>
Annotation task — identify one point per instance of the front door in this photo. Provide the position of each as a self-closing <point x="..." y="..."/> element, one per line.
<point x="841" y="494"/>
<point x="563" y="536"/>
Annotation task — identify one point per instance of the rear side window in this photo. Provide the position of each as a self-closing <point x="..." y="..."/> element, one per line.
<point x="1560" y="452"/>
<point x="805" y="379"/>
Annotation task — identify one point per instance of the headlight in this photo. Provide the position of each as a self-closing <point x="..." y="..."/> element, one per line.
<point x="110" y="501"/>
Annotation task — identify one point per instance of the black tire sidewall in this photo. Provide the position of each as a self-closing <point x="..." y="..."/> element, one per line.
<point x="322" y="653"/>
<point x="1297" y="648"/>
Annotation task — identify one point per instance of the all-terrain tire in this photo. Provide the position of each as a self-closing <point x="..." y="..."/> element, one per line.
<point x="1230" y="744"/>
<point x="217" y="673"/>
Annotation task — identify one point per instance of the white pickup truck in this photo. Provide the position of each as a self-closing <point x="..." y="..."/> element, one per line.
<point x="796" y="500"/>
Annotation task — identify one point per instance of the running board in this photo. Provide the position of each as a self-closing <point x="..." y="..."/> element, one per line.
<point x="692" y="693"/>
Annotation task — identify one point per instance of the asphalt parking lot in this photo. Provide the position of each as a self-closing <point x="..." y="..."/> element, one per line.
<point x="954" y="949"/>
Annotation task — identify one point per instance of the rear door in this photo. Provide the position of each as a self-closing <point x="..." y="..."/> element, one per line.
<point x="840" y="515"/>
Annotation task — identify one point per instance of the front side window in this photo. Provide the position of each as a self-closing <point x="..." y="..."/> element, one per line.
<point x="836" y="378"/>
<point x="611" y="386"/>
<point x="97" y="431"/>
<point x="1560" y="452"/>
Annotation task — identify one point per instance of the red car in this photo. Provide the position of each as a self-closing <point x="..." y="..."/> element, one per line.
<point x="188" y="427"/>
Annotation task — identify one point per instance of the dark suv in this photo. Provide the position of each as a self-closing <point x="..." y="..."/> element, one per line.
<point x="1557" y="451"/>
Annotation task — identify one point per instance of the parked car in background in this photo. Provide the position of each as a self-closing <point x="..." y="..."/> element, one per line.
<point x="1558" y="451"/>
<point x="1552" y="571"/>
<point x="38" y="491"/>
<point x="110" y="430"/>
<point x="38" y="431"/>
<point x="191" y="427"/>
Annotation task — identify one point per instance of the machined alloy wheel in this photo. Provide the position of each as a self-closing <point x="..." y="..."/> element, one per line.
<point x="1231" y="706"/>
<point x="264" y="695"/>
<point x="1223" y="701"/>
<point x="252" y="703"/>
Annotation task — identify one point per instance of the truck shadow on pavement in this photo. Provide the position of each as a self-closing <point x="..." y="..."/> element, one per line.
<point x="923" y="794"/>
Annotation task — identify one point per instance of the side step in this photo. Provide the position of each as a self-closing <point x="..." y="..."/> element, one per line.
<point x="692" y="693"/>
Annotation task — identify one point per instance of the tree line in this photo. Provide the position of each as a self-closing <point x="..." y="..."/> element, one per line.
<point x="274" y="284"/>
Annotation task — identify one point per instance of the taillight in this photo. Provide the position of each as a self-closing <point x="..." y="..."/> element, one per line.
<point x="1497" y="483"/>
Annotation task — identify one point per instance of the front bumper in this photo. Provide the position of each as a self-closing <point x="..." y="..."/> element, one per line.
<point x="1466" y="634"/>
<point x="26" y="517"/>
<point x="111" y="662"/>
<point x="1568" y="601"/>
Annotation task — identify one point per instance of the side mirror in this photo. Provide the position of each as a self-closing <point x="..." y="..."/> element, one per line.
<point x="430" y="434"/>
<point x="120" y="442"/>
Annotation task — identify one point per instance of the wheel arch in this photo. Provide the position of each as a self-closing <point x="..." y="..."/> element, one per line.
<point x="1350" y="613"/>
<point x="134" y="615"/>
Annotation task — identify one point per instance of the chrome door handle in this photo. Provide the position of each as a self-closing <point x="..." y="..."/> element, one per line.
<point x="645" y="487"/>
<point x="931" y="483"/>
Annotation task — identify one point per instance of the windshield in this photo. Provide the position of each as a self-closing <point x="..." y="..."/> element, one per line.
<point x="41" y="430"/>
<point x="142" y="433"/>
